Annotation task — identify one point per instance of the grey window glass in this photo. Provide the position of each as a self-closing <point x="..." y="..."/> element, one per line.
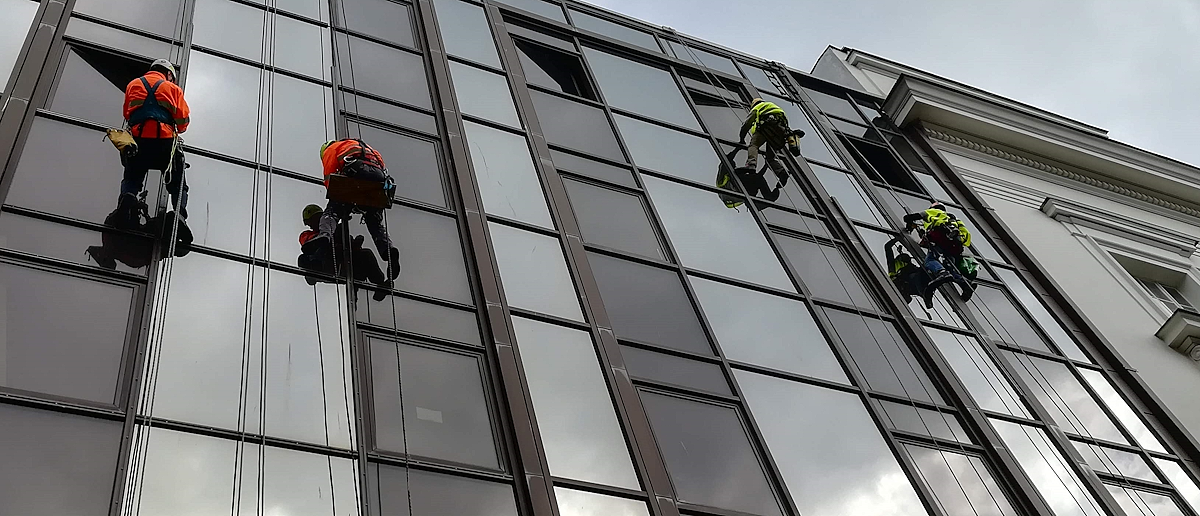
<point x="797" y="222"/>
<point x="881" y="355"/>
<point x="761" y="79"/>
<point x="56" y="463"/>
<point x="583" y="503"/>
<point x="417" y="166"/>
<point x="74" y="244"/>
<point x="163" y="18"/>
<point x="979" y="241"/>
<point x="572" y="404"/>
<point x="484" y="94"/>
<point x="1048" y="470"/>
<point x="961" y="484"/>
<point x="593" y="169"/>
<point x="1064" y="397"/>
<point x="703" y="376"/>
<point x="554" y="69"/>
<point x="825" y="271"/>
<point x="431" y="494"/>
<point x="96" y="33"/>
<point x="722" y="118"/>
<point x="431" y="255"/>
<point x="669" y="151"/>
<point x="384" y="19"/>
<point x="382" y="70"/>
<point x="315" y="9"/>
<point x="977" y="371"/>
<point x="941" y="312"/>
<point x="934" y="187"/>
<point x="1116" y="462"/>
<point x="547" y="9"/>
<point x="1040" y="314"/>
<point x="834" y="105"/>
<point x="613" y="219"/>
<point x="419" y="318"/>
<point x="1182" y="482"/>
<point x="1137" y="502"/>
<point x="196" y="474"/>
<point x="14" y="27"/>
<point x="278" y="221"/>
<point x="833" y="468"/>
<point x="304" y="357"/>
<point x="92" y="85"/>
<point x="222" y="206"/>
<point x="917" y="420"/>
<point x="812" y="144"/>
<point x="639" y="298"/>
<point x="507" y="179"/>
<point x="708" y="236"/>
<point x="465" y="32"/>
<point x="396" y="115"/>
<point x="640" y="88"/>
<point x="445" y="413"/>
<point x="766" y="330"/>
<point x="708" y="455"/>
<point x="1121" y="409"/>
<point x="614" y="30"/>
<point x="845" y="189"/>
<point x="62" y="335"/>
<point x="575" y="125"/>
<point x="704" y="58"/>
<point x="534" y="272"/>
<point x="239" y="30"/>
<point x="1001" y="320"/>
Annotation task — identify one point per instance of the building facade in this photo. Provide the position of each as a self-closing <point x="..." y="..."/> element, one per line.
<point x="589" y="320"/>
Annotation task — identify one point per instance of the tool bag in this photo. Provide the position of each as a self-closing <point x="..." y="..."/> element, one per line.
<point x="373" y="191"/>
<point x="124" y="142"/>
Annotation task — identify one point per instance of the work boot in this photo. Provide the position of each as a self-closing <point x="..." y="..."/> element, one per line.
<point x="128" y="210"/>
<point x="394" y="263"/>
<point x="102" y="258"/>
<point x="967" y="290"/>
<point x="379" y="295"/>
<point x="321" y="247"/>
<point x="938" y="280"/>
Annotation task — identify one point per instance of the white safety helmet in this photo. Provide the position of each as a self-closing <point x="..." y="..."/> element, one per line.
<point x="165" y="66"/>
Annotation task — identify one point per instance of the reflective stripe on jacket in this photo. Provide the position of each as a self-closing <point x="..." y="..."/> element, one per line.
<point x="168" y="95"/>
<point x="763" y="109"/>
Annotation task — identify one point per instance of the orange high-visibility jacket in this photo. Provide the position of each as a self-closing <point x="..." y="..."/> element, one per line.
<point x="332" y="161"/>
<point x="168" y="95"/>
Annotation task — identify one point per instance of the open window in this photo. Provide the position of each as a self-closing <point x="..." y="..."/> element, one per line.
<point x="880" y="164"/>
<point x="554" y="69"/>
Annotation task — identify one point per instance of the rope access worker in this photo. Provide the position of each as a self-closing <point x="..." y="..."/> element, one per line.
<point x="944" y="236"/>
<point x="156" y="113"/>
<point x="767" y="123"/>
<point x="354" y="158"/>
<point x="366" y="267"/>
<point x="909" y="278"/>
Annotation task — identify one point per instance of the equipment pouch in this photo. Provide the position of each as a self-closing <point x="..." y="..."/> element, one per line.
<point x="124" y="142"/>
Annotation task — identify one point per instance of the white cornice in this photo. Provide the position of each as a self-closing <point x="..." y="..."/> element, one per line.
<point x="1116" y="224"/>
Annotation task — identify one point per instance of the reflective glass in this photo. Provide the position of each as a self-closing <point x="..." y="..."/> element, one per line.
<point x="315" y="9"/>
<point x="1115" y="462"/>
<point x="1001" y="320"/>
<point x="238" y="29"/>
<point x="92" y="85"/>
<point x="613" y="30"/>
<point x="465" y="31"/>
<point x="766" y="330"/>
<point x="547" y="9"/>
<point x="702" y="376"/>
<point x="508" y="182"/>
<point x="222" y="206"/>
<point x="721" y="117"/>
<point x="281" y="199"/>
<point x="796" y="222"/>
<point x="669" y="151"/>
<point x="879" y="352"/>
<point x="761" y="79"/>
<point x="934" y="187"/>
<point x="708" y="455"/>
<point x="552" y="68"/>
<point x="710" y="237"/>
<point x="593" y="169"/>
<point x="72" y="244"/>
<point x="433" y="494"/>
<point x="1048" y="470"/>
<point x="13" y="29"/>
<point x="383" y="70"/>
<point x="1182" y="482"/>
<point x="704" y="58"/>
<point x="416" y="161"/>
<point x="941" y="312"/>
<point x="843" y="188"/>
<point x="1069" y="404"/>
<point x="977" y="371"/>
<point x="576" y="125"/>
<point x="62" y="335"/>
<point x="583" y="503"/>
<point x="360" y="106"/>
<point x="613" y="219"/>
<point x="430" y="403"/>
<point x="1121" y="409"/>
<point x="165" y="18"/>
<point x="211" y="368"/>
<point x="921" y="421"/>
<point x="979" y="241"/>
<point x="639" y="298"/>
<point x="640" y="88"/>
<point x="961" y="484"/>
<point x="431" y="254"/>
<point x="56" y="463"/>
<point x="384" y="19"/>
<point x="830" y="469"/>
<point x="812" y="144"/>
<point x="534" y="272"/>
<point x="424" y="319"/>
<point x="94" y="32"/>
<point x="1040" y="314"/>
<point x="572" y="405"/>
<point x="834" y="105"/>
<point x="484" y="94"/>
<point x="1136" y="502"/>
<point x="825" y="271"/>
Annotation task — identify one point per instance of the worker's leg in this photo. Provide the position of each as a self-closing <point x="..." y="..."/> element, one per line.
<point x="756" y="140"/>
<point x="383" y="242"/>
<point x="177" y="184"/>
<point x="334" y="212"/>
<point x="776" y="165"/>
<point x="933" y="262"/>
<point x="134" y="178"/>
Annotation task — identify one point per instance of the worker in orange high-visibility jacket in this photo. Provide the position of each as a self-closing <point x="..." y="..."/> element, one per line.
<point x="156" y="113"/>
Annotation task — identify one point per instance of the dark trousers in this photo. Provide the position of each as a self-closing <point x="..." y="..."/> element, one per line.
<point x="337" y="211"/>
<point x="155" y="153"/>
<point x="933" y="264"/>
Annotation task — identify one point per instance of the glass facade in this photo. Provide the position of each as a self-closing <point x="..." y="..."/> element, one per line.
<point x="588" y="321"/>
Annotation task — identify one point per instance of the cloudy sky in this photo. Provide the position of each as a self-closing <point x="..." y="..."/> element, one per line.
<point x="1129" y="66"/>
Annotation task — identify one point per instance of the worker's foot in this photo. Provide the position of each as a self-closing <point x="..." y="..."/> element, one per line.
<point x="783" y="178"/>
<point x="379" y="295"/>
<point x="928" y="297"/>
<point x="127" y="210"/>
<point x="967" y="290"/>
<point x="394" y="263"/>
<point x="939" y="279"/>
<point x="102" y="259"/>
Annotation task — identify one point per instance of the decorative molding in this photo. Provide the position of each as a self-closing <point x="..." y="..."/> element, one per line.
<point x="1063" y="210"/>
<point x="990" y="186"/>
<point x="1021" y="160"/>
<point x="1182" y="333"/>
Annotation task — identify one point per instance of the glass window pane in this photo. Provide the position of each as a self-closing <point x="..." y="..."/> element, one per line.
<point x="876" y="242"/>
<point x="96" y="33"/>
<point x="572" y="405"/>
<point x="384" y="19"/>
<point x="702" y="376"/>
<point x="980" y="243"/>
<point x="13" y="29"/>
<point x="507" y="179"/>
<point x="825" y="271"/>
<point x="832" y="468"/>
<point x="109" y="249"/>
<point x="639" y="88"/>
<point x="593" y="169"/>
<point x="1121" y="409"/>
<point x="416" y="168"/>
<point x="708" y="455"/>
<point x="583" y="503"/>
<point x="812" y="144"/>
<point x="465" y="32"/>
<point x="238" y="29"/>
<point x="547" y="9"/>
<point x="721" y="117"/>
<point x="484" y="94"/>
<point x="534" y="272"/>
<point x="1182" y="482"/>
<point x="62" y="335"/>
<point x="554" y="69"/>
<point x="1048" y="470"/>
<point x="668" y="151"/>
<point x="279" y="212"/>
<point x="713" y="238"/>
<point x="1040" y="314"/>
<point x="434" y="494"/>
<point x="796" y="222"/>
<point x="704" y="58"/>
<point x="983" y="380"/>
<point x="56" y="463"/>
<point x="382" y="70"/>
<point x="164" y="18"/>
<point x="834" y="105"/>
<point x="846" y="191"/>
<point x="614" y="30"/>
<point x="761" y="79"/>
<point x="934" y="423"/>
<point x="431" y="255"/>
<point x="960" y="483"/>
<point x="1001" y="320"/>
<point x="613" y="219"/>
<point x="424" y="319"/>
<point x="1069" y="404"/>
<point x="222" y="207"/>
<point x="360" y="106"/>
<point x="575" y="125"/>
<point x="881" y="355"/>
<point x="639" y="298"/>
<point x="1115" y="462"/>
<point x="934" y="187"/>
<point x="1137" y="502"/>
<point x="315" y="9"/>
<point x="92" y="85"/>
<point x="300" y="118"/>
<point x="766" y="330"/>
<point x="445" y="411"/>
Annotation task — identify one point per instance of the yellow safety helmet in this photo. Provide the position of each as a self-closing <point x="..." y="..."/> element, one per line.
<point x="755" y="101"/>
<point x="325" y="146"/>
<point x="311" y="210"/>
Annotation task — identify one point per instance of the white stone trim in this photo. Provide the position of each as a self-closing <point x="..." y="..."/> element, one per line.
<point x="1063" y="210"/>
